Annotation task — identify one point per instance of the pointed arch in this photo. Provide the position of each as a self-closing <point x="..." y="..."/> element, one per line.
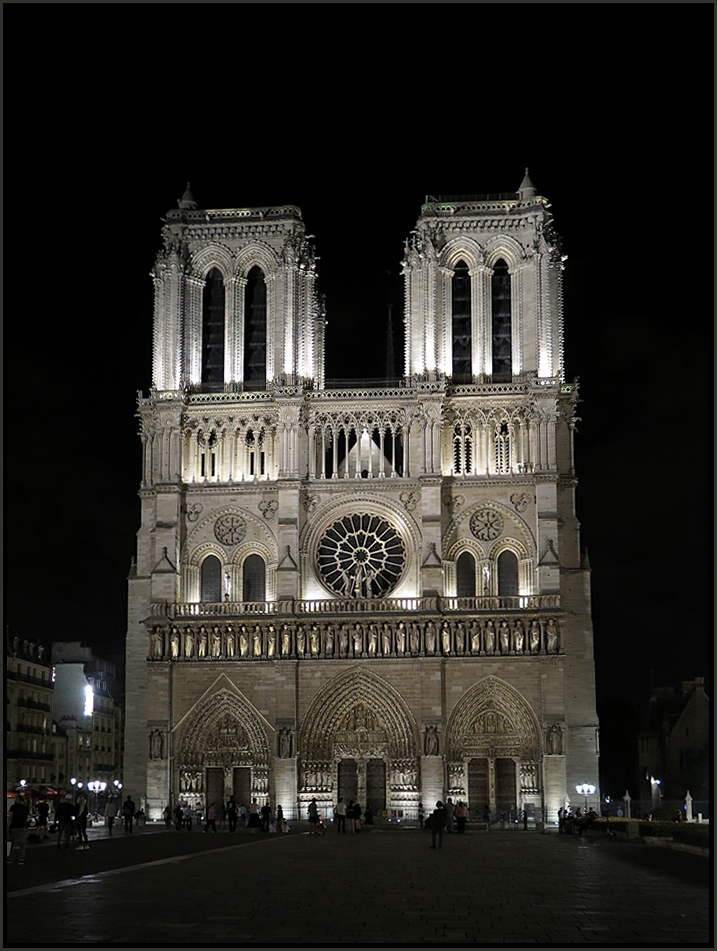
<point x="222" y="729"/>
<point x="333" y="703"/>
<point x="493" y="719"/>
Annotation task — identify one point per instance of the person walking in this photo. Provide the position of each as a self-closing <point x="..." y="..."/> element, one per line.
<point x="64" y="818"/>
<point x="242" y="816"/>
<point x="167" y="816"/>
<point x="254" y="820"/>
<point x="232" y="814"/>
<point x="211" y="818"/>
<point x="313" y="811"/>
<point x="279" y="819"/>
<point x="110" y="814"/>
<point x="350" y="816"/>
<point x="128" y="811"/>
<point x="341" y="815"/>
<point x="357" y="817"/>
<point x="17" y="829"/>
<point x="449" y="814"/>
<point x="178" y="817"/>
<point x="43" y="811"/>
<point x="265" y="817"/>
<point x="461" y="816"/>
<point x="81" y="823"/>
<point x="438" y="824"/>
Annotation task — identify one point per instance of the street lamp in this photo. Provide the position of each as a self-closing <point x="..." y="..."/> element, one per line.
<point x="586" y="789"/>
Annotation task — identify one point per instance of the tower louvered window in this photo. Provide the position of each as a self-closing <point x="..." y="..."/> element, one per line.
<point x="255" y="330"/>
<point x="462" y="324"/>
<point x="213" y="330"/>
<point x="462" y="449"/>
<point x="502" y="448"/>
<point x="501" y="331"/>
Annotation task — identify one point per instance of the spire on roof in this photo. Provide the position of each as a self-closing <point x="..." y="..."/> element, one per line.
<point x="527" y="188"/>
<point x="187" y="202"/>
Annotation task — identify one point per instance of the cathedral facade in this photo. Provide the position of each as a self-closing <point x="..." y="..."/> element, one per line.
<point x="375" y="593"/>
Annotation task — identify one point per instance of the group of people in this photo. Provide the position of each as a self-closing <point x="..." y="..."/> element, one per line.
<point x="235" y="814"/>
<point x="70" y="820"/>
<point x="347" y="815"/>
<point x="578" y="821"/>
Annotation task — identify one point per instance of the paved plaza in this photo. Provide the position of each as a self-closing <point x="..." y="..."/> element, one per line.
<point x="382" y="887"/>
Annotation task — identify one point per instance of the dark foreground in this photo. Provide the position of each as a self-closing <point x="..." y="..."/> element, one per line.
<point x="377" y="888"/>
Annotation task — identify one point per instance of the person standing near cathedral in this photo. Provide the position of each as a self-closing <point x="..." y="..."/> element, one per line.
<point x="43" y="811"/>
<point x="17" y="829"/>
<point x="461" y="816"/>
<point x="232" y="814"/>
<point x="211" y="818"/>
<point x="438" y="824"/>
<point x="449" y="814"/>
<point x="341" y="815"/>
<point x="81" y="823"/>
<point x="110" y="813"/>
<point x="128" y="811"/>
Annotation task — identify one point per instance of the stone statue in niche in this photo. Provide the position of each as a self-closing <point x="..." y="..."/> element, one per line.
<point x="386" y="639"/>
<point x="256" y="641"/>
<point x="188" y="643"/>
<point x="430" y="637"/>
<point x="551" y="635"/>
<point x="202" y="642"/>
<point x="285" y="743"/>
<point x="216" y="641"/>
<point x="285" y="640"/>
<point x="315" y="640"/>
<point x="372" y="639"/>
<point x="446" y="638"/>
<point x="231" y="641"/>
<point x="460" y="638"/>
<point x="343" y="640"/>
<point x="156" y="744"/>
<point x="329" y="640"/>
<point x="504" y="634"/>
<point x="175" y="642"/>
<point x="519" y="637"/>
<point x="535" y="638"/>
<point x="555" y="740"/>
<point x="300" y="641"/>
<point x="358" y="638"/>
<point x="243" y="641"/>
<point x="271" y="641"/>
<point x="401" y="638"/>
<point x="157" y="642"/>
<point x="431" y="740"/>
<point x="475" y="637"/>
<point x="414" y="637"/>
<point x="489" y="638"/>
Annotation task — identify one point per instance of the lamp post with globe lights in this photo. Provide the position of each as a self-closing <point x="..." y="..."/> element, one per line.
<point x="586" y="789"/>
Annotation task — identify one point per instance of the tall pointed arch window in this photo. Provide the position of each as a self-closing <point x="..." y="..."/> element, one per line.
<point x="213" y="330"/>
<point x="466" y="575"/>
<point x="211" y="579"/>
<point x="255" y="330"/>
<point x="507" y="574"/>
<point x="254" y="578"/>
<point x="462" y="448"/>
<point x="501" y="309"/>
<point x="461" y="290"/>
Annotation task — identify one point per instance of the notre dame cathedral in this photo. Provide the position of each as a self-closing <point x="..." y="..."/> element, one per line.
<point x="375" y="593"/>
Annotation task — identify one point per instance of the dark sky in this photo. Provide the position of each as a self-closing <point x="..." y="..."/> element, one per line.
<point x="100" y="140"/>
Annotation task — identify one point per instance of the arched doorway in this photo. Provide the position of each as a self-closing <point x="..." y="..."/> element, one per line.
<point x="359" y="740"/>
<point x="222" y="749"/>
<point x="494" y="746"/>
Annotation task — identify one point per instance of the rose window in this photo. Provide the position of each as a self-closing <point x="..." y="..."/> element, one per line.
<point x="486" y="524"/>
<point x="361" y="556"/>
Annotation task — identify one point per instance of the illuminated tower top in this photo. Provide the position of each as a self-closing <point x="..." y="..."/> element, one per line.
<point x="483" y="289"/>
<point x="236" y="306"/>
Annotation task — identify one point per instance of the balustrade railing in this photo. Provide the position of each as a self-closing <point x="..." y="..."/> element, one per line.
<point x="297" y="608"/>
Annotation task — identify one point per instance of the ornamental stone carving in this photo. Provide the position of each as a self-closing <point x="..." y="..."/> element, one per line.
<point x="156" y="745"/>
<point x="194" y="510"/>
<point x="486" y="524"/>
<point x="269" y="508"/>
<point x="230" y="529"/>
<point x="519" y="501"/>
<point x="554" y="740"/>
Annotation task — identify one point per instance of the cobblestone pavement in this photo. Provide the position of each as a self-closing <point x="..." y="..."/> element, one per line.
<point x="382" y="887"/>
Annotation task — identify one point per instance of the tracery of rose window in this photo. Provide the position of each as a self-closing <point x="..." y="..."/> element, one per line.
<point x="361" y="556"/>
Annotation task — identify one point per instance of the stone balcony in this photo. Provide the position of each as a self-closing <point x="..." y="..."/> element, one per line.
<point x="354" y="606"/>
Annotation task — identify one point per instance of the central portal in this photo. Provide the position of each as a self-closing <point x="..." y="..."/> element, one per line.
<point x="365" y="781"/>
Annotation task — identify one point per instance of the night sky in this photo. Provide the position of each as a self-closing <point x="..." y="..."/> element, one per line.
<point x="100" y="141"/>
